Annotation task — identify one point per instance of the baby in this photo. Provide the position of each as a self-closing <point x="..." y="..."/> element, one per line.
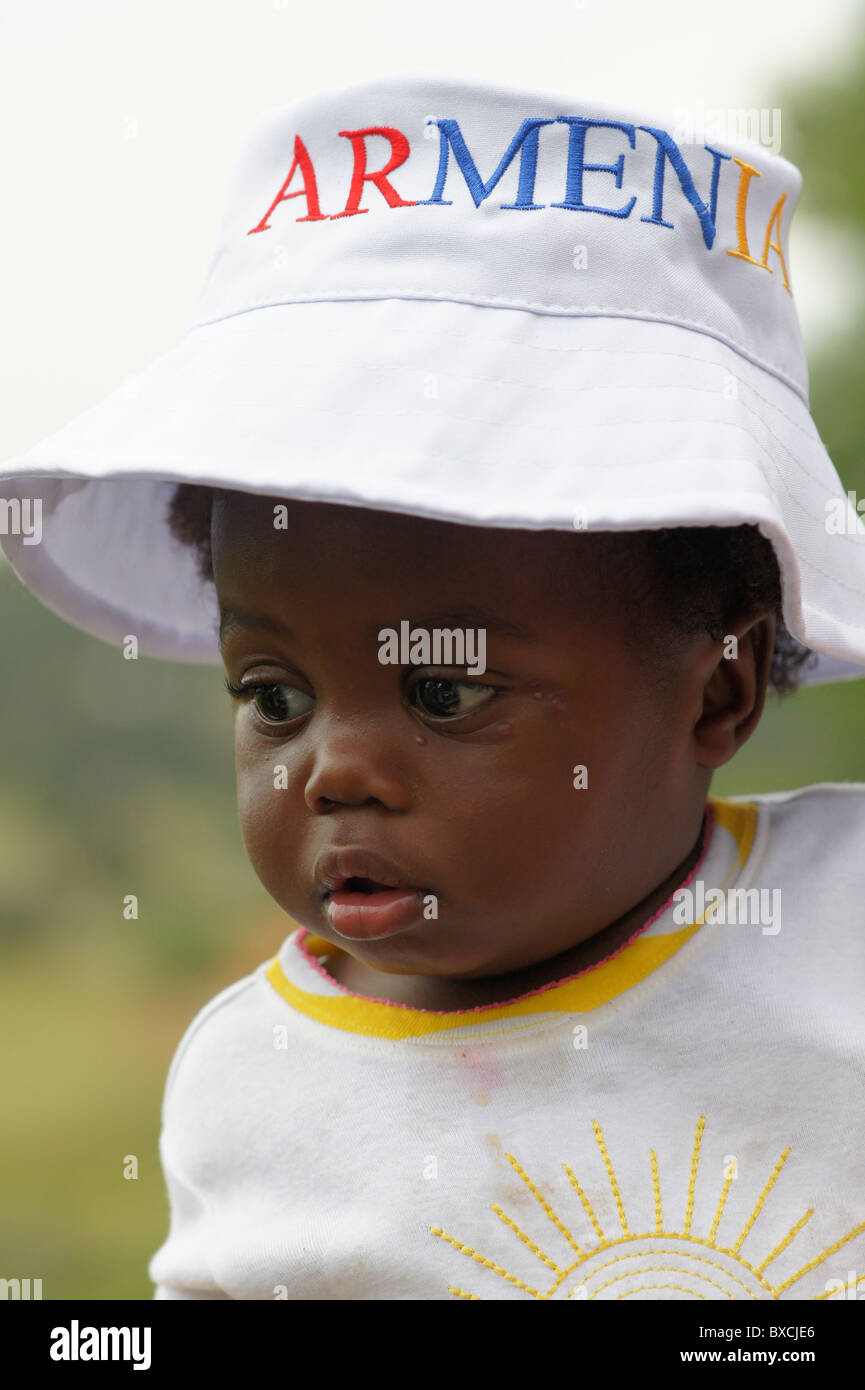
<point x="450" y="798"/>
<point x="488" y="991"/>
<point x="487" y="475"/>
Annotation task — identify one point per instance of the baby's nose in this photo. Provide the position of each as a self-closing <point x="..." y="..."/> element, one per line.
<point x="356" y="767"/>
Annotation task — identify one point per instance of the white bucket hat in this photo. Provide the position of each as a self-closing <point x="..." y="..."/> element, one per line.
<point x="472" y="302"/>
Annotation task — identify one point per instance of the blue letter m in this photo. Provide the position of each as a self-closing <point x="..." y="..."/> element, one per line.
<point x="525" y="140"/>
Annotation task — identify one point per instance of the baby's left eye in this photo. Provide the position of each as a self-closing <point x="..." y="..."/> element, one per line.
<point x="442" y="698"/>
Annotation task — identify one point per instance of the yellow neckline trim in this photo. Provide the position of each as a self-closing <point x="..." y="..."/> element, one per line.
<point x="583" y="992"/>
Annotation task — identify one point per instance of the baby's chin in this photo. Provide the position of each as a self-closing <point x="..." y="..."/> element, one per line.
<point x="426" y="948"/>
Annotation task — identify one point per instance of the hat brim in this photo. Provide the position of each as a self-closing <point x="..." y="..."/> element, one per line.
<point x="453" y="411"/>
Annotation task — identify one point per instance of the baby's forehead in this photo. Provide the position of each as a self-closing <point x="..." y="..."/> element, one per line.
<point x="239" y="515"/>
<point x="361" y="557"/>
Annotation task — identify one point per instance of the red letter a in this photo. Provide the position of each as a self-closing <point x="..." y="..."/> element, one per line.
<point x="309" y="190"/>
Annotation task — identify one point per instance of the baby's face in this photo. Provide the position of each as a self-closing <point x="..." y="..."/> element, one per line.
<point x="457" y="788"/>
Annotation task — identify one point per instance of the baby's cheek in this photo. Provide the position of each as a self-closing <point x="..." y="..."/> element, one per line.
<point x="266" y="821"/>
<point x="544" y="822"/>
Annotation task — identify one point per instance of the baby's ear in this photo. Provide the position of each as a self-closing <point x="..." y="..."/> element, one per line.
<point x="734" y="691"/>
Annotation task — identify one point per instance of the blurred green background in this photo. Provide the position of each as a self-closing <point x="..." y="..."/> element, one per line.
<point x="118" y="778"/>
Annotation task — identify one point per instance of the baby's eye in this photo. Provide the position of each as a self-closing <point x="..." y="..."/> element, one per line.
<point x="442" y="698"/>
<point x="276" y="702"/>
<point x="279" y="704"/>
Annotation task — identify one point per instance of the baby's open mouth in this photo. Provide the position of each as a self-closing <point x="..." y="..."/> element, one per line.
<point x="364" y="885"/>
<point x="366" y="896"/>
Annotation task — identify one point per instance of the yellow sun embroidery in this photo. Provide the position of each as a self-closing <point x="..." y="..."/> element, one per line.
<point x="645" y="1264"/>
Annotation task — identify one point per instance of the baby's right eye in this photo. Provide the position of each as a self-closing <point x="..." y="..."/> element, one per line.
<point x="276" y="702"/>
<point x="279" y="704"/>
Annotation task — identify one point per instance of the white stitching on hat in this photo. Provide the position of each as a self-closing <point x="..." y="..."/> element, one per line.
<point x="812" y="435"/>
<point x="475" y="339"/>
<point x="576" y="311"/>
<point x="570" y="430"/>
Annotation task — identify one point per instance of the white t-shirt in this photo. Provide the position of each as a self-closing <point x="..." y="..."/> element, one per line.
<point x="684" y="1119"/>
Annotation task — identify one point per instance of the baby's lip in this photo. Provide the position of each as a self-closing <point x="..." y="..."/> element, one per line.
<point x="336" y="865"/>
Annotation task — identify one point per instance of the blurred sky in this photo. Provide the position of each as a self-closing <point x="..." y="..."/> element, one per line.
<point x="122" y="120"/>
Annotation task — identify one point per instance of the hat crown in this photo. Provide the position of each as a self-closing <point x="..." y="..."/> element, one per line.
<point x="450" y="298"/>
<point x="425" y="185"/>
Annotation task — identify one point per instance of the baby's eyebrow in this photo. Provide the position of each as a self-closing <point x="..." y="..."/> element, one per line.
<point x="464" y="616"/>
<point x="233" y="617"/>
<point x="470" y="616"/>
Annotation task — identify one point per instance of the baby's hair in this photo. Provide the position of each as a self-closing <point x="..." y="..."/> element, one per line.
<point x="704" y="578"/>
<point x="699" y="577"/>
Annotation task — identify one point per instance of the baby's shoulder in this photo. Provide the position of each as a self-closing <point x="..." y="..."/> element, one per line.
<point x="212" y="1037"/>
<point x="821" y="812"/>
<point x="808" y="845"/>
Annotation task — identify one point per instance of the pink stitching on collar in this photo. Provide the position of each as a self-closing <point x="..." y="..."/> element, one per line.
<point x="304" y="932"/>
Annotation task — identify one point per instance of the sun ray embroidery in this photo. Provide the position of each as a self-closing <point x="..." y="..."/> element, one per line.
<point x="722" y="1203"/>
<point x="585" y="1201"/>
<point x="656" y="1189"/>
<point x="617" y="1266"/>
<point x="794" y="1278"/>
<point x="773" y="1178"/>
<point x="692" y="1180"/>
<point x="546" y="1206"/>
<point x="617" y="1196"/>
